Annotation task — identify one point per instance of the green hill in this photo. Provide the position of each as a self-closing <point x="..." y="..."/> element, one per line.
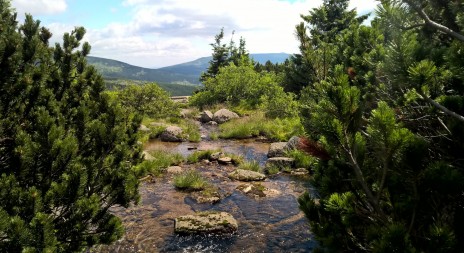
<point x="180" y="80"/>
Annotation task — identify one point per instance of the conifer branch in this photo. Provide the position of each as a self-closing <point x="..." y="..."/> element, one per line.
<point x="434" y="24"/>
<point x="440" y="107"/>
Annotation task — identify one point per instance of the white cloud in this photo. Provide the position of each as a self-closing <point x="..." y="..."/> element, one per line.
<point x="166" y="32"/>
<point x="39" y="7"/>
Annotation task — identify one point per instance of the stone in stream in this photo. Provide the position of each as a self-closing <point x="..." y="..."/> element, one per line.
<point x="225" y="160"/>
<point x="257" y="190"/>
<point x="172" y="134"/>
<point x="281" y="162"/>
<point x="206" y="116"/>
<point x="216" y="156"/>
<point x="246" y="175"/>
<point x="300" y="172"/>
<point x="277" y="149"/>
<point x="206" y="222"/>
<point x="174" y="170"/>
<point x="224" y="115"/>
<point x="209" y="195"/>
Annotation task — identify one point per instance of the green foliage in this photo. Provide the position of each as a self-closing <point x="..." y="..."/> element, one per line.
<point x="67" y="149"/>
<point x="190" y="180"/>
<point x="385" y="106"/>
<point x="257" y="125"/>
<point x="148" y="100"/>
<point x="302" y="160"/>
<point x="197" y="156"/>
<point x="250" y="165"/>
<point x="157" y="166"/>
<point x="272" y="169"/>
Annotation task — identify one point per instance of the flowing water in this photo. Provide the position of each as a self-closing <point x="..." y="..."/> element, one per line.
<point x="269" y="224"/>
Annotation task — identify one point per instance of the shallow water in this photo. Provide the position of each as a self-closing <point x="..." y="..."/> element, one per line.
<point x="271" y="224"/>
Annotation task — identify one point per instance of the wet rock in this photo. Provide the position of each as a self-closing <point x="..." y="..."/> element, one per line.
<point x="281" y="162"/>
<point x="293" y="143"/>
<point x="206" y="222"/>
<point x="216" y="156"/>
<point x="246" y="175"/>
<point x="257" y="190"/>
<point x="277" y="149"/>
<point x="225" y="160"/>
<point x="300" y="172"/>
<point x="144" y="128"/>
<point x="209" y="195"/>
<point x="174" y="170"/>
<point x="224" y="115"/>
<point x="172" y="134"/>
<point x="147" y="156"/>
<point x="206" y="116"/>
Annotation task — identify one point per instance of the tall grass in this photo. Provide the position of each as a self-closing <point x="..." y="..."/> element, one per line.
<point x="190" y="180"/>
<point x="302" y="160"/>
<point x="258" y="125"/>
<point x="250" y="165"/>
<point x="161" y="160"/>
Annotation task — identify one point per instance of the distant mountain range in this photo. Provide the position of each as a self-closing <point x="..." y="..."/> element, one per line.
<point x="184" y="74"/>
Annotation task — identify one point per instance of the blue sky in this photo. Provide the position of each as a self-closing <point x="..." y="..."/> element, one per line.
<point x="157" y="33"/>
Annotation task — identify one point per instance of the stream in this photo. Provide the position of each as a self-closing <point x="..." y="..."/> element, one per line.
<point x="268" y="224"/>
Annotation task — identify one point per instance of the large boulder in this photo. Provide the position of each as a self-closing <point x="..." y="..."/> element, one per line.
<point x="281" y="162"/>
<point x="246" y="175"/>
<point x="277" y="149"/>
<point x="206" y="222"/>
<point x="172" y="134"/>
<point x="224" y="115"/>
<point x="206" y="116"/>
<point x="293" y="143"/>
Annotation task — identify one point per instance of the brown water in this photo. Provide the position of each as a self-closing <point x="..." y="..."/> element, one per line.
<point x="271" y="224"/>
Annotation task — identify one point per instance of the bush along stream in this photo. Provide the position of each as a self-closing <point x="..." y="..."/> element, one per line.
<point x="218" y="195"/>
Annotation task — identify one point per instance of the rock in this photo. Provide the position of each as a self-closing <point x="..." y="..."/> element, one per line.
<point x="206" y="222"/>
<point x="281" y="162"/>
<point x="185" y="113"/>
<point x="144" y="128"/>
<point x="299" y="172"/>
<point x="216" y="156"/>
<point x="246" y="175"/>
<point x="172" y="134"/>
<point x="277" y="149"/>
<point x="224" y="115"/>
<point x="147" y="156"/>
<point x="225" y="160"/>
<point x="293" y="143"/>
<point x="212" y="123"/>
<point x="206" y="116"/>
<point x="174" y="170"/>
<point x="257" y="190"/>
<point x="208" y="195"/>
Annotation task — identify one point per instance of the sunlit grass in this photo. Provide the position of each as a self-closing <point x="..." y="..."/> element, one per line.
<point x="250" y="165"/>
<point x="258" y="125"/>
<point x="161" y="160"/>
<point x="190" y="180"/>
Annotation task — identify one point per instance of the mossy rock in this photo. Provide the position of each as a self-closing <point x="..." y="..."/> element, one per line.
<point x="206" y="222"/>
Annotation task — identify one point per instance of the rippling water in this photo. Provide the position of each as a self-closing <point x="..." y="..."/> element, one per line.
<point x="273" y="224"/>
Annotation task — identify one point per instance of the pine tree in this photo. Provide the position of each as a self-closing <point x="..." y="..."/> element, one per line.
<point x="66" y="150"/>
<point x="386" y="126"/>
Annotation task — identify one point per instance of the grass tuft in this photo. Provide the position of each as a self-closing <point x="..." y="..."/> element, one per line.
<point x="253" y="166"/>
<point x="190" y="180"/>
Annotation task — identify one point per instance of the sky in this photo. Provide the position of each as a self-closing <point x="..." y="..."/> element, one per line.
<point x="158" y="33"/>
